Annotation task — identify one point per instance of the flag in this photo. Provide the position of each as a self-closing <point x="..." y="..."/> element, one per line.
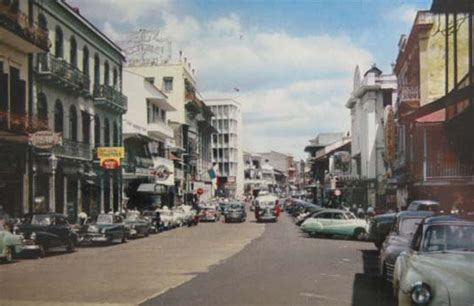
<point x="213" y="175"/>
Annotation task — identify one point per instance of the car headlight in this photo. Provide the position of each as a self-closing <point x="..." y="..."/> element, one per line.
<point x="93" y="229"/>
<point x="420" y="294"/>
<point x="33" y="236"/>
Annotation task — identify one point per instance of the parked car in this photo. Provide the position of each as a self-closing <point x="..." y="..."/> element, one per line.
<point x="308" y="210"/>
<point x="379" y="227"/>
<point x="398" y="240"/>
<point x="136" y="224"/>
<point x="10" y="244"/>
<point x="331" y="222"/>
<point x="223" y="207"/>
<point x="153" y="216"/>
<point x="168" y="219"/>
<point x="424" y="205"/>
<point x="209" y="214"/>
<point x="235" y="212"/>
<point x="267" y="208"/>
<point x="438" y="269"/>
<point x="107" y="228"/>
<point x="45" y="232"/>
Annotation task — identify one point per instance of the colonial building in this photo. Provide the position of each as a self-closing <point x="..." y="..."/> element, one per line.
<point x="253" y="177"/>
<point x="227" y="146"/>
<point x="370" y="96"/>
<point x="434" y="111"/>
<point x="78" y="95"/>
<point x="22" y="35"/>
<point x="148" y="171"/>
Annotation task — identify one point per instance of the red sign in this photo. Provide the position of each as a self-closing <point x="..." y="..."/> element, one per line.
<point x="200" y="191"/>
<point x="110" y="164"/>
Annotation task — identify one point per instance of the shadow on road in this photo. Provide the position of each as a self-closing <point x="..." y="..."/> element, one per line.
<point x="368" y="289"/>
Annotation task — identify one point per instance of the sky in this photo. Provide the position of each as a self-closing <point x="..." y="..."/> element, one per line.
<point x="292" y="60"/>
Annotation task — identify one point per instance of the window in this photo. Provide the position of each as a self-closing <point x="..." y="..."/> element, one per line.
<point x="86" y="127"/>
<point x="167" y="84"/>
<point x="73" y="52"/>
<point x="106" y="132"/>
<point x="73" y="123"/>
<point x="97" y="130"/>
<point x="85" y="60"/>
<point x="42" y="22"/>
<point x="326" y="215"/>
<point x="106" y="73"/>
<point x="163" y="115"/>
<point x="96" y="70"/>
<point x="58" y="117"/>
<point x="115" y="78"/>
<point x="58" y="43"/>
<point x="42" y="107"/>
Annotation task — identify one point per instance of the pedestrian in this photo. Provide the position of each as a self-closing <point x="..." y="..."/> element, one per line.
<point x="82" y="218"/>
<point x="360" y="212"/>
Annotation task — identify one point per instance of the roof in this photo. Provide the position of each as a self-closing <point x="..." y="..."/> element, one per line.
<point x="414" y="214"/>
<point x="374" y="70"/>
<point x="445" y="219"/>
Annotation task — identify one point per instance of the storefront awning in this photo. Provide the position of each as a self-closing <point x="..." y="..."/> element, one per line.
<point x="151" y="188"/>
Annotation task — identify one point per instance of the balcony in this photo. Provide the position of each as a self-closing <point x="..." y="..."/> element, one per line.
<point x="18" y="32"/>
<point x="109" y="98"/>
<point x="160" y="129"/>
<point x="61" y="73"/>
<point x="449" y="170"/>
<point x="74" y="150"/>
<point x="22" y="123"/>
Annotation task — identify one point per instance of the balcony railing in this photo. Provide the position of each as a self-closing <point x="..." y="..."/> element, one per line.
<point x="109" y="97"/>
<point x="409" y="93"/>
<point x="449" y="170"/>
<point x="74" y="150"/>
<point x="22" y="123"/>
<point x="18" y="22"/>
<point x="62" y="73"/>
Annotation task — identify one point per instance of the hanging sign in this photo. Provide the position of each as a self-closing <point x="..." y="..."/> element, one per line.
<point x="45" y="139"/>
<point x="110" y="156"/>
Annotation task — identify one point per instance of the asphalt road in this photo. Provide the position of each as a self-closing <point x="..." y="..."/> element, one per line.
<point x="284" y="267"/>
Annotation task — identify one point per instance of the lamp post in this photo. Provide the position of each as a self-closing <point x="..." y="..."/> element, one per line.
<point x="53" y="163"/>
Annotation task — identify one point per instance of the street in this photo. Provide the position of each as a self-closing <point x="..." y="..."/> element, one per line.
<point x="211" y="264"/>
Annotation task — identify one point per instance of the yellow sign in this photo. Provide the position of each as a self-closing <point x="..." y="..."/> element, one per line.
<point x="110" y="152"/>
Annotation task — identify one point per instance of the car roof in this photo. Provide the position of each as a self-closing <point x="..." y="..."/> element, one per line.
<point x="386" y="216"/>
<point x="334" y="210"/>
<point x="414" y="213"/>
<point x="442" y="219"/>
<point x="425" y="202"/>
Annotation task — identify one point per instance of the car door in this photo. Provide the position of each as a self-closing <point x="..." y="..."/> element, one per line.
<point x="56" y="233"/>
<point x="338" y="223"/>
<point x="63" y="229"/>
<point x="323" y="221"/>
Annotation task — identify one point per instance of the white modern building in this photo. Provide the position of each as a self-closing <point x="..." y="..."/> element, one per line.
<point x="370" y="95"/>
<point x="227" y="145"/>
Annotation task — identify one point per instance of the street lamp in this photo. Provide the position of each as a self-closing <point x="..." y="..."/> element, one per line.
<point x="53" y="163"/>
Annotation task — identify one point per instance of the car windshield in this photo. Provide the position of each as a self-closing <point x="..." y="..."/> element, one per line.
<point x="350" y="216"/>
<point x="41" y="220"/>
<point x="133" y="216"/>
<point x="235" y="206"/>
<point x="449" y="238"/>
<point x="408" y="226"/>
<point x="105" y="219"/>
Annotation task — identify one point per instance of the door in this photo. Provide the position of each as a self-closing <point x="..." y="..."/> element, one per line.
<point x="323" y="221"/>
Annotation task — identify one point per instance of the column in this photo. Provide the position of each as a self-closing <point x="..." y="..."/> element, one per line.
<point x="102" y="209"/>
<point x="111" y="192"/>
<point x="65" y="196"/>
<point x="79" y="196"/>
<point x="52" y="191"/>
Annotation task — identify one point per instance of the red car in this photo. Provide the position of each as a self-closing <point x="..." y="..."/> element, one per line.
<point x="209" y="214"/>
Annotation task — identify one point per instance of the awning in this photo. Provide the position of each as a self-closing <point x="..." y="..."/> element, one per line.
<point x="151" y="188"/>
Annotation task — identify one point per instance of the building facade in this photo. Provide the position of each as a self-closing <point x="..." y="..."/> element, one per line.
<point x="227" y="150"/>
<point x="21" y="38"/>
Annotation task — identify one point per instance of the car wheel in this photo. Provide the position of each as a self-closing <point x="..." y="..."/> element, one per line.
<point x="9" y="254"/>
<point x="71" y="247"/>
<point x="124" y="238"/>
<point x="42" y="252"/>
<point x="359" y="234"/>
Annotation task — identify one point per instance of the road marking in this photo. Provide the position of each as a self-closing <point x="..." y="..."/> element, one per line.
<point x="330" y="275"/>
<point x="322" y="297"/>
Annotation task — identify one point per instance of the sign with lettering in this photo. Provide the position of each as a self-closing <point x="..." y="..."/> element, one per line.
<point x="110" y="157"/>
<point x="45" y="139"/>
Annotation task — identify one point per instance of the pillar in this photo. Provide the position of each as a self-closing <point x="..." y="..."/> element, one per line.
<point x="111" y="192"/>
<point x="52" y="191"/>
<point x="102" y="207"/>
<point x="79" y="196"/>
<point x="65" y="196"/>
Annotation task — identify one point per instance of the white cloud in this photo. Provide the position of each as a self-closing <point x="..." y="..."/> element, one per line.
<point x="404" y="13"/>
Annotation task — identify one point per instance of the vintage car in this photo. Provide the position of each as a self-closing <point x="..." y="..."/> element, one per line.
<point x="45" y="232"/>
<point x="438" y="269"/>
<point x="267" y="208"/>
<point x="168" y="218"/>
<point x="154" y="217"/>
<point x="106" y="229"/>
<point x="398" y="240"/>
<point x="424" y="205"/>
<point x="10" y="244"/>
<point x="185" y="215"/>
<point x="309" y="210"/>
<point x="235" y="213"/>
<point x="209" y="214"/>
<point x="136" y="224"/>
<point x="338" y="222"/>
<point x="379" y="227"/>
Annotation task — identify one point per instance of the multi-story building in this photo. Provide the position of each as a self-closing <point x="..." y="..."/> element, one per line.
<point x="283" y="168"/>
<point x="369" y="99"/>
<point x="227" y="145"/>
<point x="148" y="171"/>
<point x="434" y="110"/>
<point x="191" y="123"/>
<point x="21" y="37"/>
<point x="78" y="95"/>
<point x="252" y="172"/>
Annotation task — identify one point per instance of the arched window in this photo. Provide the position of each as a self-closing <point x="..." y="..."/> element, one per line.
<point x="42" y="22"/>
<point x="115" y="78"/>
<point x="115" y="135"/>
<point x="85" y="60"/>
<point x="73" y="51"/>
<point x="106" y="132"/>
<point x="106" y="73"/>
<point x="73" y="123"/>
<point x="96" y="70"/>
<point x="58" y="43"/>
<point x="58" y="117"/>
<point x="42" y="110"/>
<point x="97" y="130"/>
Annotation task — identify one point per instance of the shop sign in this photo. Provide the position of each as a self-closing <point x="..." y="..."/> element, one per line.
<point x="200" y="191"/>
<point x="45" y="139"/>
<point x="163" y="171"/>
<point x="110" y="157"/>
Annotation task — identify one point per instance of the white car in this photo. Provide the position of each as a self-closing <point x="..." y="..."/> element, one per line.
<point x="168" y="218"/>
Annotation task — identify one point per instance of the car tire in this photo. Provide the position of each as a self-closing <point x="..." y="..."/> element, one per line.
<point x="147" y="233"/>
<point x="71" y="247"/>
<point x="359" y="234"/>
